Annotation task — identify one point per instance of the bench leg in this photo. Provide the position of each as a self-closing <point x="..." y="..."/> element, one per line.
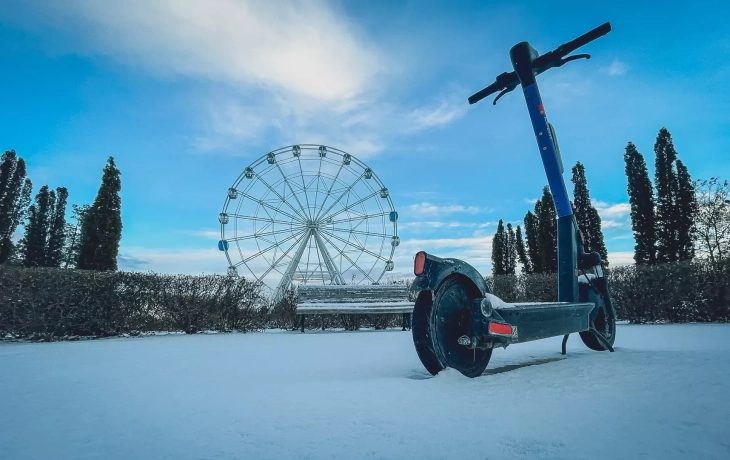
<point x="301" y="323"/>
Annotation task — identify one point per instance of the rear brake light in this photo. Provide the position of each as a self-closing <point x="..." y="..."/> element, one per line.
<point x="419" y="263"/>
<point x="499" y="328"/>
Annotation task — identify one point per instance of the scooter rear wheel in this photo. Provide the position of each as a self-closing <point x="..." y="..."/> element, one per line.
<point x="420" y="330"/>
<point x="451" y="318"/>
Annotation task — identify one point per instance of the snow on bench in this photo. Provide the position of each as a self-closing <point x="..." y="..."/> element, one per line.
<point x="354" y="300"/>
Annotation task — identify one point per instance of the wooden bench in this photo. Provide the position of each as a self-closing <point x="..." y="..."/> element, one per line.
<point x="354" y="299"/>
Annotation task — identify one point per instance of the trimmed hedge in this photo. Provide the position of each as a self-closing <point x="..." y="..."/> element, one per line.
<point x="677" y="292"/>
<point x="48" y="303"/>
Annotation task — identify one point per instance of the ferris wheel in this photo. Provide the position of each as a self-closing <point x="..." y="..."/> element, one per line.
<point x="308" y="214"/>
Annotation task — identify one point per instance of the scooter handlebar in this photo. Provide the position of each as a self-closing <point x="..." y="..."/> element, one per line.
<point x="508" y="80"/>
<point x="503" y="81"/>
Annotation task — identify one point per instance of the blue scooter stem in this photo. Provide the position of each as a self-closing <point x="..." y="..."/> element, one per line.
<point x="522" y="56"/>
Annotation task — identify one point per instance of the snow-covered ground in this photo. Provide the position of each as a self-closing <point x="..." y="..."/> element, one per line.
<point x="664" y="394"/>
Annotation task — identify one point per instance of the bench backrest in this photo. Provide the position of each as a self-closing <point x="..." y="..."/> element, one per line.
<point x="352" y="293"/>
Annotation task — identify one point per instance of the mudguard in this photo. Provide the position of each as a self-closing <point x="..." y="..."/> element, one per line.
<point x="437" y="269"/>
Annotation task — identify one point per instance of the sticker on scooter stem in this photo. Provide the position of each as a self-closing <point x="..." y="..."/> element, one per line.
<point x="541" y="109"/>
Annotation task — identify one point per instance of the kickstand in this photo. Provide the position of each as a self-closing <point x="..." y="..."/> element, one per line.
<point x="565" y="342"/>
<point x="601" y="338"/>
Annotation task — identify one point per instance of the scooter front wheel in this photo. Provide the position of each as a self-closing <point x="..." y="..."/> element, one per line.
<point x="603" y="320"/>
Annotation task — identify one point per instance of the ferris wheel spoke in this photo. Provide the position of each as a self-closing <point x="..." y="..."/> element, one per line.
<point x="359" y="232"/>
<point x="342" y="195"/>
<point x="304" y="187"/>
<point x="294" y="193"/>
<point x="343" y="254"/>
<point x="365" y="250"/>
<point x="272" y="247"/>
<point x="261" y="234"/>
<point x="264" y="203"/>
<point x="361" y="218"/>
<point x="284" y="200"/>
<point x="284" y="254"/>
<point x="329" y="192"/>
<point x="261" y="219"/>
<point x="350" y="206"/>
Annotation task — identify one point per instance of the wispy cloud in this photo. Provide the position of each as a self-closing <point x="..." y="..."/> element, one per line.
<point x="301" y="70"/>
<point x="427" y="117"/>
<point x="426" y="208"/>
<point x="628" y="236"/>
<point x="608" y="223"/>
<point x="616" y="68"/>
<point x="306" y="48"/>
<point x="208" y="233"/>
<point x="172" y="261"/>
<point x="608" y="210"/>
<point x="621" y="258"/>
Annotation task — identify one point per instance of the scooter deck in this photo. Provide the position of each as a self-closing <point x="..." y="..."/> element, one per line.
<point x="535" y="321"/>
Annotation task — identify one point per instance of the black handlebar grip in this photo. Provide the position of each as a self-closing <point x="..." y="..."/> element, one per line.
<point x="584" y="39"/>
<point x="503" y="80"/>
<point x="476" y="97"/>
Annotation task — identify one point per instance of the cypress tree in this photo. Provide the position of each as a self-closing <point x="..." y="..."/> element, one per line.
<point x="596" y="242"/>
<point x="15" y="191"/>
<point x="36" y="231"/>
<point x="522" y="252"/>
<point x="510" y="252"/>
<point x="57" y="229"/>
<point x="687" y="209"/>
<point x="641" y="199"/>
<point x="72" y="234"/>
<point x="665" y="180"/>
<point x="498" y="250"/>
<point x="101" y="229"/>
<point x="534" y="256"/>
<point x="589" y="221"/>
<point x="547" y="230"/>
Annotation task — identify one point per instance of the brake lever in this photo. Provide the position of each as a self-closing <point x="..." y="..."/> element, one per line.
<point x="504" y="91"/>
<point x="565" y="60"/>
<point x="501" y="93"/>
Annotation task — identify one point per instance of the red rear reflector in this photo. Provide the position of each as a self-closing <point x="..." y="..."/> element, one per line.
<point x="419" y="263"/>
<point x="499" y="328"/>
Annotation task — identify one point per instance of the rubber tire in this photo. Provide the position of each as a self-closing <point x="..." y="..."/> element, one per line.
<point x="461" y="289"/>
<point x="421" y="333"/>
<point x="588" y="338"/>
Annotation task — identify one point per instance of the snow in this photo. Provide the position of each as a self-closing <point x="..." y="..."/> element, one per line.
<point x="664" y="394"/>
<point x="497" y="302"/>
<point x="585" y="279"/>
<point x="347" y="305"/>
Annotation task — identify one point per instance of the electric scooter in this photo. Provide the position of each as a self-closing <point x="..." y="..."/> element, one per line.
<point x="457" y="322"/>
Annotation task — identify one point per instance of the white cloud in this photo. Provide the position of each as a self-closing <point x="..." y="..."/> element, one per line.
<point x="172" y="261"/>
<point x="426" y="208"/>
<point x="607" y="223"/>
<point x="616" y="68"/>
<point x="427" y="117"/>
<point x="211" y="234"/>
<point x="621" y="258"/>
<point x="623" y="237"/>
<point x="301" y="68"/>
<point x="619" y="210"/>
<point x="303" y="47"/>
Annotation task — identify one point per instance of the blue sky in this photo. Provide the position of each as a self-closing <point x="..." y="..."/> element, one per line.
<point x="185" y="95"/>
